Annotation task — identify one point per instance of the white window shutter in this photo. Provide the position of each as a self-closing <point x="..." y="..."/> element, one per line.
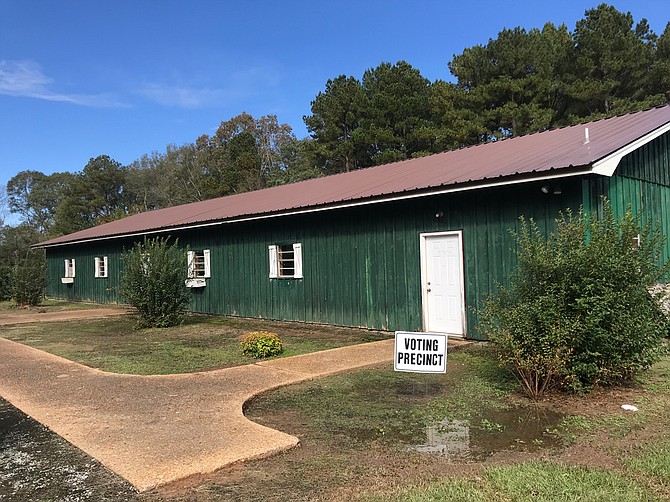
<point x="273" y="262"/>
<point x="96" y="266"/>
<point x="297" y="260"/>
<point x="104" y="264"/>
<point x="208" y="268"/>
<point x="190" y="256"/>
<point x="67" y="269"/>
<point x="73" y="269"/>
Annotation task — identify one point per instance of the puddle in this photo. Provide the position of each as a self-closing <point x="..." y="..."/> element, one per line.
<point x="38" y="465"/>
<point x="519" y="429"/>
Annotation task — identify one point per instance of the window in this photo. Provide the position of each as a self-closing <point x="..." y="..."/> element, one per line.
<point x="68" y="277"/>
<point x="198" y="264"/>
<point x="286" y="261"/>
<point x="100" y="266"/>
<point x="69" y="268"/>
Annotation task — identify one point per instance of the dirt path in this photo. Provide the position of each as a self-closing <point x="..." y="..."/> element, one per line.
<point x="157" y="429"/>
<point x="7" y="319"/>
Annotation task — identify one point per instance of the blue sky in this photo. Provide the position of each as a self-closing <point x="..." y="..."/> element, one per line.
<point x="123" y="78"/>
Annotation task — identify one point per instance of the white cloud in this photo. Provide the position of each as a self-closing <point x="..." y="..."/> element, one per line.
<point x="26" y="79"/>
<point x="22" y="78"/>
<point x="181" y="97"/>
<point x="239" y="85"/>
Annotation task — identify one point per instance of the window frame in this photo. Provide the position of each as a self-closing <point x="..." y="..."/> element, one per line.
<point x="100" y="267"/>
<point x="70" y="271"/>
<point x="199" y="267"/>
<point x="280" y="264"/>
<point x="70" y="268"/>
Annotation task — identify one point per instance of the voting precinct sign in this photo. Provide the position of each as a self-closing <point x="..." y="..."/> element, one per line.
<point x="420" y="352"/>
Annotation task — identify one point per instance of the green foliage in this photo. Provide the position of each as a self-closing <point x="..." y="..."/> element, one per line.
<point x="578" y="311"/>
<point x="36" y="196"/>
<point x="96" y="195"/>
<point x="22" y="269"/>
<point x="28" y="277"/>
<point x="244" y="154"/>
<point x="336" y="115"/>
<point x="260" y="344"/>
<point x="153" y="281"/>
<point x="516" y="82"/>
<point x="385" y="117"/>
<point x="399" y="110"/>
<point x="612" y="59"/>
<point x="64" y="202"/>
<point x="5" y="282"/>
<point x="298" y="163"/>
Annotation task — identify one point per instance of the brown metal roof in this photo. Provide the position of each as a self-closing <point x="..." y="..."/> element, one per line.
<point x="536" y="155"/>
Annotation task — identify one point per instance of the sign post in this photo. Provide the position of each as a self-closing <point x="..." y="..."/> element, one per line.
<point x="420" y="352"/>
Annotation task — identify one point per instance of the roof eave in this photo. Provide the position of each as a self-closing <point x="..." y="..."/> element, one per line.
<point x="608" y="165"/>
<point x="515" y="179"/>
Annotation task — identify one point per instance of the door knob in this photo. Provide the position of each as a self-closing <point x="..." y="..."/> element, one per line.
<point x="428" y="290"/>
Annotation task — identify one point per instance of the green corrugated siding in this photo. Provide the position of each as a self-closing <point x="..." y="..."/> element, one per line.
<point x="361" y="265"/>
<point x="650" y="200"/>
<point x="649" y="163"/>
<point x="641" y="182"/>
<point x="86" y="286"/>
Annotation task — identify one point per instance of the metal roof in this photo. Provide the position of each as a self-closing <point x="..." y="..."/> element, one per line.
<point x="594" y="147"/>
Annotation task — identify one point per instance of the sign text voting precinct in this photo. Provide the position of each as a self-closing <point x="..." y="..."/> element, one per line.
<point x="420" y="352"/>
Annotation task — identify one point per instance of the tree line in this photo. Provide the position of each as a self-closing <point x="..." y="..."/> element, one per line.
<point x="520" y="82"/>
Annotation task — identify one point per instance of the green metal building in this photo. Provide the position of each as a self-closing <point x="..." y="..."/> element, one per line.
<point x="415" y="245"/>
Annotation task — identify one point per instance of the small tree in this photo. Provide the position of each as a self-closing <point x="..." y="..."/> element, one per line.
<point x="22" y="269"/>
<point x="153" y="281"/>
<point x="28" y="277"/>
<point x="579" y="311"/>
<point x="5" y="282"/>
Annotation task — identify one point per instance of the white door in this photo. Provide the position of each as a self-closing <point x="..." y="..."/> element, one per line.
<point x="442" y="283"/>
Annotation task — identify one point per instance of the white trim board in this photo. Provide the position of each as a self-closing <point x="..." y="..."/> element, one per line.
<point x="607" y="165"/>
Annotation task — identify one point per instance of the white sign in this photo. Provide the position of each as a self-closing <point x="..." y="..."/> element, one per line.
<point x="420" y="352"/>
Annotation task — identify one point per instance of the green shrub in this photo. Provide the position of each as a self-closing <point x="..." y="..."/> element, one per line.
<point x="5" y="282"/>
<point x="22" y="268"/>
<point x="578" y="311"/>
<point x="260" y="344"/>
<point x="153" y="281"/>
<point x="28" y="277"/>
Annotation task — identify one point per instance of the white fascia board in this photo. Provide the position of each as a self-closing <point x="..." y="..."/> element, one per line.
<point x="391" y="198"/>
<point x="607" y="165"/>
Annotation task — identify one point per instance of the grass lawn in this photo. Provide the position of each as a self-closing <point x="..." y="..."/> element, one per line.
<point x="203" y="342"/>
